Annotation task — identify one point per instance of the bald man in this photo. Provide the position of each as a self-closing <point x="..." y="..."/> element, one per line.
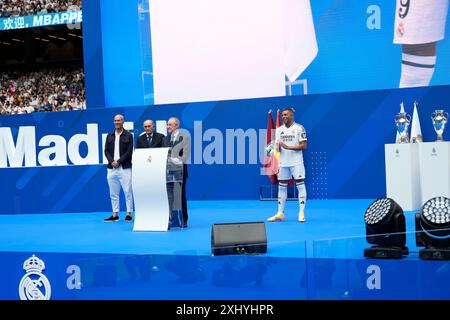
<point x="119" y="152"/>
<point x="150" y="138"/>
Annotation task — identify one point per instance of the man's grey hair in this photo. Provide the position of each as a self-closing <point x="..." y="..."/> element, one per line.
<point x="177" y="121"/>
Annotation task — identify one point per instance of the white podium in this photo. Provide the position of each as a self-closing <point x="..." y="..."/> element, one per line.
<point x="434" y="169"/>
<point x="156" y="183"/>
<point x="402" y="175"/>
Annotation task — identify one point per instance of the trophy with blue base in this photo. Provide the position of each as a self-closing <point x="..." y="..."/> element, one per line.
<point x="402" y="121"/>
<point x="439" y="118"/>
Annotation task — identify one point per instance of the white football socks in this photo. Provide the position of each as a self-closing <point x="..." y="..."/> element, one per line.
<point x="282" y="195"/>
<point x="417" y="71"/>
<point x="301" y="195"/>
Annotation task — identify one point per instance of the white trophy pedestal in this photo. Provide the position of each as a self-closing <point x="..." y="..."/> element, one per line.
<point x="403" y="176"/>
<point x="434" y="169"/>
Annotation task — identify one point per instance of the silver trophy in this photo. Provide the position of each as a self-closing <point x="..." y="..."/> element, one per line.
<point x="439" y="118"/>
<point x="402" y="121"/>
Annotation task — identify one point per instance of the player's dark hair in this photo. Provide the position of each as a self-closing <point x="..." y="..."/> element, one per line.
<point x="288" y="109"/>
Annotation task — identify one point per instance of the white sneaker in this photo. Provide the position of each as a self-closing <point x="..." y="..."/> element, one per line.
<point x="279" y="216"/>
<point x="301" y="217"/>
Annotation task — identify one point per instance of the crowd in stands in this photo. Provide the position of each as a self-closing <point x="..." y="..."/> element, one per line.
<point x="44" y="90"/>
<point x="15" y="8"/>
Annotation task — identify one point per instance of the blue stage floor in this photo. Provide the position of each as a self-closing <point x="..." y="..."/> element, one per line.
<point x="87" y="233"/>
<point x="319" y="259"/>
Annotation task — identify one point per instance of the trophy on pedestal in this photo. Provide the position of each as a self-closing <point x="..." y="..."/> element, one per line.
<point x="402" y="121"/>
<point x="439" y="118"/>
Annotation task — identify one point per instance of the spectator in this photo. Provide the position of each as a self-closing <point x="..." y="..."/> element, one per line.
<point x="44" y="90"/>
<point x="15" y="8"/>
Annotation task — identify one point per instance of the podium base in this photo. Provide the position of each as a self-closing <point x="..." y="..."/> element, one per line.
<point x="435" y="254"/>
<point x="378" y="252"/>
<point x="176" y="219"/>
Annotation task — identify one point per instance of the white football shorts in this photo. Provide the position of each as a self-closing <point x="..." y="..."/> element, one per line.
<point x="297" y="172"/>
<point x="420" y="21"/>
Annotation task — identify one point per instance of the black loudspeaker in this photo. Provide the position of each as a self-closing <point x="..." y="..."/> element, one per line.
<point x="238" y="238"/>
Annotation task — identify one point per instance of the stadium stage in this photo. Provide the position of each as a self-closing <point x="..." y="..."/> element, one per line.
<point x="345" y="81"/>
<point x="86" y="258"/>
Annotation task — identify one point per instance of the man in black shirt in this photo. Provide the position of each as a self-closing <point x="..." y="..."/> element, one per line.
<point x="119" y="152"/>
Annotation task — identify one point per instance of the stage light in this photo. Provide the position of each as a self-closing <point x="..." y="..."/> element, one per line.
<point x="433" y="229"/>
<point x="386" y="229"/>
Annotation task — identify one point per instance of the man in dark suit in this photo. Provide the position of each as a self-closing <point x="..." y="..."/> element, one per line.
<point x="150" y="138"/>
<point x="180" y="152"/>
<point x="119" y="152"/>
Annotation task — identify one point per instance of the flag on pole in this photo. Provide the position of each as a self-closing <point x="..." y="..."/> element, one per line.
<point x="416" y="132"/>
<point x="402" y="109"/>
<point x="278" y="119"/>
<point x="276" y="153"/>
<point x="269" y="158"/>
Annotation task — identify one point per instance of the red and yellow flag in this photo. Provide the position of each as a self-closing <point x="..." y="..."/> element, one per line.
<point x="276" y="153"/>
<point x="270" y="161"/>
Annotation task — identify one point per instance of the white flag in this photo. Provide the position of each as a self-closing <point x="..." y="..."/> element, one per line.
<point x="300" y="44"/>
<point x="402" y="109"/>
<point x="416" y="132"/>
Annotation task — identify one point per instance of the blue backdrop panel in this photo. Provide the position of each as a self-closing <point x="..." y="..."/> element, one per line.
<point x="112" y="53"/>
<point x="122" y="61"/>
<point x="183" y="277"/>
<point x="345" y="155"/>
<point x="93" y="54"/>
<point x="160" y="277"/>
<point x="351" y="279"/>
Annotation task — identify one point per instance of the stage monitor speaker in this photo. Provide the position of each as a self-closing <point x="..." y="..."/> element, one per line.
<point x="238" y="238"/>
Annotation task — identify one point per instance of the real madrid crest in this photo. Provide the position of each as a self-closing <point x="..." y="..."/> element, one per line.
<point x="433" y="152"/>
<point x="149" y="159"/>
<point x="34" y="284"/>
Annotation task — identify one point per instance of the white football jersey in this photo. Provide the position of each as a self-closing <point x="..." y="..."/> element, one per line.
<point x="291" y="136"/>
<point x="420" y="21"/>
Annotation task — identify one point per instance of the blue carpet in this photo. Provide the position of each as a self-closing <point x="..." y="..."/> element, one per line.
<point x="341" y="220"/>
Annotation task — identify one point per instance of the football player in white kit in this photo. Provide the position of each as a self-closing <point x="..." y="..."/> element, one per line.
<point x="419" y="24"/>
<point x="290" y="140"/>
